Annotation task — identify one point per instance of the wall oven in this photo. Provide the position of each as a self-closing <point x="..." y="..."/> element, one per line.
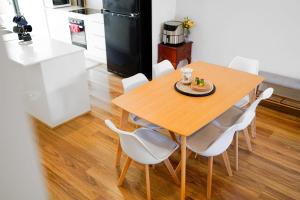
<point x="57" y="3"/>
<point x="77" y="31"/>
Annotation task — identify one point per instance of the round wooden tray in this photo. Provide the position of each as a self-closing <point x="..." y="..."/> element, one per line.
<point x="187" y="90"/>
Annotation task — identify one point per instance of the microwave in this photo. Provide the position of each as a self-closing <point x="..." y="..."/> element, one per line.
<point x="57" y="3"/>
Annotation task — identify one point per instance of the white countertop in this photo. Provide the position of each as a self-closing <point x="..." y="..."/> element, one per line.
<point x="41" y="49"/>
<point x="77" y="15"/>
<point x="9" y="36"/>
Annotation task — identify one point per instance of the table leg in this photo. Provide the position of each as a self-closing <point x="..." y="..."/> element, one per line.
<point x="252" y="95"/>
<point x="252" y="98"/>
<point x="124" y="119"/>
<point x="159" y="59"/>
<point x="174" y="65"/>
<point x="173" y="136"/>
<point x="189" y="59"/>
<point x="123" y="124"/>
<point x="183" y="167"/>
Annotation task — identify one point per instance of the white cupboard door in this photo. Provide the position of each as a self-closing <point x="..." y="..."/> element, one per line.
<point x="58" y="25"/>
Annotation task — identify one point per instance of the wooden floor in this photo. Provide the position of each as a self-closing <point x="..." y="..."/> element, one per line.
<point x="78" y="158"/>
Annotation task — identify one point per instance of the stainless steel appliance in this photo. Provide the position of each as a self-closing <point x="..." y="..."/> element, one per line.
<point x="81" y="3"/>
<point x="57" y="3"/>
<point x="86" y="11"/>
<point x="173" y="33"/>
<point x="77" y="31"/>
<point x="128" y="36"/>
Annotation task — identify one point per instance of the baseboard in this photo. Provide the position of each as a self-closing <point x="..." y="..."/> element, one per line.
<point x="286" y="96"/>
<point x="282" y="104"/>
<point x="282" y="108"/>
<point x="281" y="80"/>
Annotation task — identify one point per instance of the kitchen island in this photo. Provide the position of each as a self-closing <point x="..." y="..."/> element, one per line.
<point x="54" y="79"/>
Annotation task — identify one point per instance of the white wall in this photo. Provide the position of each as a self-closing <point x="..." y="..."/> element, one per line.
<point x="97" y="4"/>
<point x="268" y="30"/>
<point x="6" y="13"/>
<point x="162" y="10"/>
<point x="33" y="10"/>
<point x="35" y="14"/>
<point x="5" y="7"/>
<point x="20" y="174"/>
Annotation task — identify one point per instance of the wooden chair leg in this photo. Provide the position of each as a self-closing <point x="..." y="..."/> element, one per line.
<point x="148" y="182"/>
<point x="247" y="138"/>
<point x="118" y="154"/>
<point x="236" y="151"/>
<point x="173" y="136"/>
<point x="172" y="171"/>
<point x="227" y="163"/>
<point x="124" y="171"/>
<point x="209" y="176"/>
<point x="252" y="97"/>
<point x="178" y="168"/>
<point x="123" y="125"/>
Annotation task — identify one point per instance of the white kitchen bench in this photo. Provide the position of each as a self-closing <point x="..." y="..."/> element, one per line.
<point x="55" y="81"/>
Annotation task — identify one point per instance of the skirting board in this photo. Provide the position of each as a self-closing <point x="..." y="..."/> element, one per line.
<point x="281" y="80"/>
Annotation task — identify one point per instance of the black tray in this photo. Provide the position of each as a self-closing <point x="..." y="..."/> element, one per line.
<point x="200" y="94"/>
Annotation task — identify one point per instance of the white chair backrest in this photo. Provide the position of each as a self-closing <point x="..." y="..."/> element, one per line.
<point x="134" y="81"/>
<point x="221" y="143"/>
<point x="133" y="146"/>
<point x="164" y="67"/>
<point x="245" y="120"/>
<point x="247" y="117"/>
<point x="264" y="95"/>
<point x="245" y="64"/>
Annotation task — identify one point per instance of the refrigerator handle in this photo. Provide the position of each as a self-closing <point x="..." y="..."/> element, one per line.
<point x="131" y="15"/>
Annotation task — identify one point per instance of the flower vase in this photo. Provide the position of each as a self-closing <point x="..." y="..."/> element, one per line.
<point x="186" y="33"/>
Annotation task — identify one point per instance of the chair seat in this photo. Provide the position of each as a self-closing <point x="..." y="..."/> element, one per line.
<point x="159" y="145"/>
<point x="229" y="117"/>
<point x="143" y="123"/>
<point x="203" y="138"/>
<point x="243" y="102"/>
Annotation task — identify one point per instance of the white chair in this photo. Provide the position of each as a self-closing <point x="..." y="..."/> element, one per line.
<point x="134" y="81"/>
<point x="147" y="147"/>
<point x="235" y="114"/>
<point x="164" y="67"/>
<point x="246" y="65"/>
<point x="211" y="141"/>
<point x="129" y="84"/>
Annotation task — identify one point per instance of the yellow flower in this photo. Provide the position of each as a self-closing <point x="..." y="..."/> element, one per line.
<point x="188" y="23"/>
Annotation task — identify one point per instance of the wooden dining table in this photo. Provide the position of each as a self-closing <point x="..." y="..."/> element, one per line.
<point x="159" y="103"/>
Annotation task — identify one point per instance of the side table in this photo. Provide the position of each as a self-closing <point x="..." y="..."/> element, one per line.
<point x="175" y="53"/>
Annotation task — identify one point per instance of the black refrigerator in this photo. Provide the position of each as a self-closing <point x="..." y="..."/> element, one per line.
<point x="128" y="36"/>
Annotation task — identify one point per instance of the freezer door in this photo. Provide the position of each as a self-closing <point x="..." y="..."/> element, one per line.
<point x="122" y="6"/>
<point x="122" y="38"/>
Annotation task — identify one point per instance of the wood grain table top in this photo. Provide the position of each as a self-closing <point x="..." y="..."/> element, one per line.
<point x="159" y="103"/>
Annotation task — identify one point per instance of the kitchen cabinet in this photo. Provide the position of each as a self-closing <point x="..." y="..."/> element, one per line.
<point x="95" y="37"/>
<point x="55" y="84"/>
<point x="94" y="30"/>
<point x="58" y="25"/>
